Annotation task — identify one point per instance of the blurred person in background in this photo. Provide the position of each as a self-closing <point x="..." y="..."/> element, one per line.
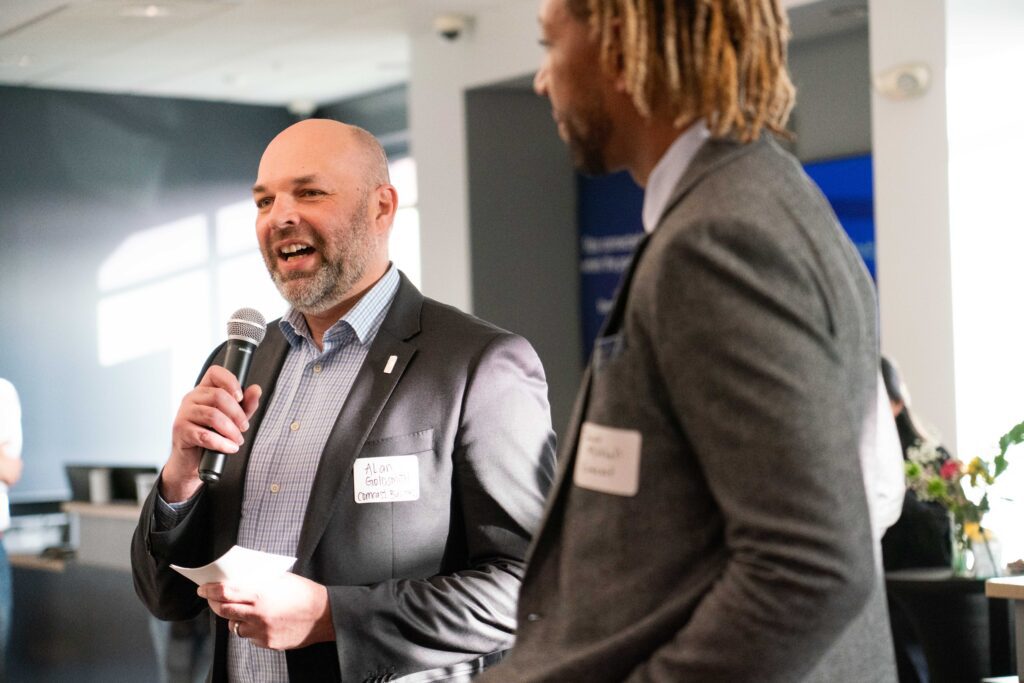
<point x="921" y="537"/>
<point x="10" y="472"/>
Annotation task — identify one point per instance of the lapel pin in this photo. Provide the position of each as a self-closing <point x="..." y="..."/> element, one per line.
<point x="390" y="365"/>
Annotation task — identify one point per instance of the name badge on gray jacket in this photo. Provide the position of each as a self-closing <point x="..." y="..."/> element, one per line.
<point x="608" y="460"/>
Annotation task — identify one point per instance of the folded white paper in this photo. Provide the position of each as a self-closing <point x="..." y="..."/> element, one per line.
<point x="238" y="565"/>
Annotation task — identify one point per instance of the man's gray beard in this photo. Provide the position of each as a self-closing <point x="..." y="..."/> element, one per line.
<point x="325" y="288"/>
<point x="335" y="277"/>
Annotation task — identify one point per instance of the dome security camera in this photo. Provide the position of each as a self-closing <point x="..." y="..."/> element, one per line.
<point x="451" y="26"/>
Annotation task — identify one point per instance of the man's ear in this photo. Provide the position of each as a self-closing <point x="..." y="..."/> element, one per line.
<point x="384" y="206"/>
<point x="615" y="63"/>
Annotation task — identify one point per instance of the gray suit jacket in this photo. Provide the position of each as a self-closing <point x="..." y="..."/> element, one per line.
<point x="742" y="350"/>
<point x="413" y="586"/>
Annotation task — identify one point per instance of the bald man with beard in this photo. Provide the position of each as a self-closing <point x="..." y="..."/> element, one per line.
<point x="362" y="374"/>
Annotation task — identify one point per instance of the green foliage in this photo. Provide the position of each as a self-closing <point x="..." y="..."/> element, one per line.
<point x="934" y="476"/>
<point x="1010" y="438"/>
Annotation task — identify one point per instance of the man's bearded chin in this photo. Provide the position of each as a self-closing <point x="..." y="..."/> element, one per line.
<point x="589" y="134"/>
<point x="317" y="292"/>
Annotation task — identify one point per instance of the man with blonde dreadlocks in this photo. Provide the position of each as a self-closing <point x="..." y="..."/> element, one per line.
<point x="709" y="522"/>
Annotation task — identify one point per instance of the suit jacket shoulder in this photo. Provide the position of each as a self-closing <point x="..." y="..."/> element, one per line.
<point x="741" y="352"/>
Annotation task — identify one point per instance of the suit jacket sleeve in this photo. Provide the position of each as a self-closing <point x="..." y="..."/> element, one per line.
<point x="503" y="466"/>
<point x="167" y="594"/>
<point x="758" y="383"/>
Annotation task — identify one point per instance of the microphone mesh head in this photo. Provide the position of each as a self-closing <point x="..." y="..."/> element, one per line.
<point x="247" y="324"/>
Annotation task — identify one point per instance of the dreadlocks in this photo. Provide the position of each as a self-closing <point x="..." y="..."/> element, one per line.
<point x="723" y="60"/>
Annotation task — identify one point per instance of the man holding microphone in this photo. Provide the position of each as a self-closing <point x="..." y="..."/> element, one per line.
<point x="362" y="372"/>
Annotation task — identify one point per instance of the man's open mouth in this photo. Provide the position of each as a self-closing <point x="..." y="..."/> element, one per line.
<point x="295" y="250"/>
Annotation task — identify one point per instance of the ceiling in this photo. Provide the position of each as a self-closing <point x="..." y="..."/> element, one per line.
<point x="298" y="53"/>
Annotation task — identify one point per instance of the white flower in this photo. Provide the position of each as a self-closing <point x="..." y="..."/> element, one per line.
<point x="924" y="453"/>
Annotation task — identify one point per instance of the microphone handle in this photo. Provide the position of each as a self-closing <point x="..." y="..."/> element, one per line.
<point x="237" y="359"/>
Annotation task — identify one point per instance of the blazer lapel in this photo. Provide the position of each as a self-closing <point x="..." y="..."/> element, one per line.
<point x="712" y="155"/>
<point x="373" y="386"/>
<point x="567" y="448"/>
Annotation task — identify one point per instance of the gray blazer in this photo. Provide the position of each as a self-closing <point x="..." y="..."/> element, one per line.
<point x="413" y="586"/>
<point x="742" y="351"/>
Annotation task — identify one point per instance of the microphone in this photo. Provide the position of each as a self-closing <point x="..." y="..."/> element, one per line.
<point x="246" y="329"/>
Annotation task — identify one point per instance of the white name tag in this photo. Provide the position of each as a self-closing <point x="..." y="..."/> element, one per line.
<point x="389" y="479"/>
<point x="608" y="460"/>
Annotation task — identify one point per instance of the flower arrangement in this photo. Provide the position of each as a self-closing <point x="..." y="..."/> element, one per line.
<point x="961" y="488"/>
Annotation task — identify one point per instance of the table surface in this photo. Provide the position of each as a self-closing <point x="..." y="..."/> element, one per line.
<point x="1008" y="587"/>
<point x="129" y="511"/>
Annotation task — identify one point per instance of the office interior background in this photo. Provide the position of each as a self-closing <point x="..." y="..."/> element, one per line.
<point x="130" y="134"/>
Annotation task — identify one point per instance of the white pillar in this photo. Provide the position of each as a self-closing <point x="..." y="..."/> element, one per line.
<point x="912" y="209"/>
<point x="500" y="44"/>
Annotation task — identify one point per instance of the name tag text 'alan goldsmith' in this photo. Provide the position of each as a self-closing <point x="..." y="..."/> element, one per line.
<point x="389" y="479"/>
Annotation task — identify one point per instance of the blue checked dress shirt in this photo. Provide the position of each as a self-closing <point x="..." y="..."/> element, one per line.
<point x="307" y="398"/>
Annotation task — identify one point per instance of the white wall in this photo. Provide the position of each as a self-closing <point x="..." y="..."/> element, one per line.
<point x="912" y="210"/>
<point x="502" y="44"/>
<point x="949" y="225"/>
<point x="947" y="207"/>
<point x="985" y="48"/>
<point x="985" y="42"/>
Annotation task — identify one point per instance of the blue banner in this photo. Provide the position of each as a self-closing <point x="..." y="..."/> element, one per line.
<point x="848" y="186"/>
<point x="610" y="225"/>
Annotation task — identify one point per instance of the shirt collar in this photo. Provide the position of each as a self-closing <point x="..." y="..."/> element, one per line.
<point x="669" y="170"/>
<point x="364" y="319"/>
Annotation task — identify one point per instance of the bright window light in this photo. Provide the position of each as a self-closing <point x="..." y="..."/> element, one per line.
<point x="168" y="317"/>
<point x="236" y="233"/>
<point x="403" y="177"/>
<point x="404" y="243"/>
<point x="986" y="143"/>
<point x="242" y="281"/>
<point x="156" y="252"/>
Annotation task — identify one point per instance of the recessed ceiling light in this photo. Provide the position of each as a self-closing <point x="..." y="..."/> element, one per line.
<point x="145" y="11"/>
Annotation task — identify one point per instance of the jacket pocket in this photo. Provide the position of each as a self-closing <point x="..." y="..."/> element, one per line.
<point x="403" y="444"/>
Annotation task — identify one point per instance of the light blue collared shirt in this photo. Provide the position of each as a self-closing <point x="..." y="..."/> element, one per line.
<point x="309" y="393"/>
<point x="668" y="172"/>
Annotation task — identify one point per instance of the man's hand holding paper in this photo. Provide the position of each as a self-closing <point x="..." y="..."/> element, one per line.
<point x="262" y="601"/>
<point x="279" y="613"/>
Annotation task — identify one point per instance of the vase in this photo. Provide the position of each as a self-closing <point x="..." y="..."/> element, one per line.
<point x="987" y="552"/>
<point x="962" y="558"/>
